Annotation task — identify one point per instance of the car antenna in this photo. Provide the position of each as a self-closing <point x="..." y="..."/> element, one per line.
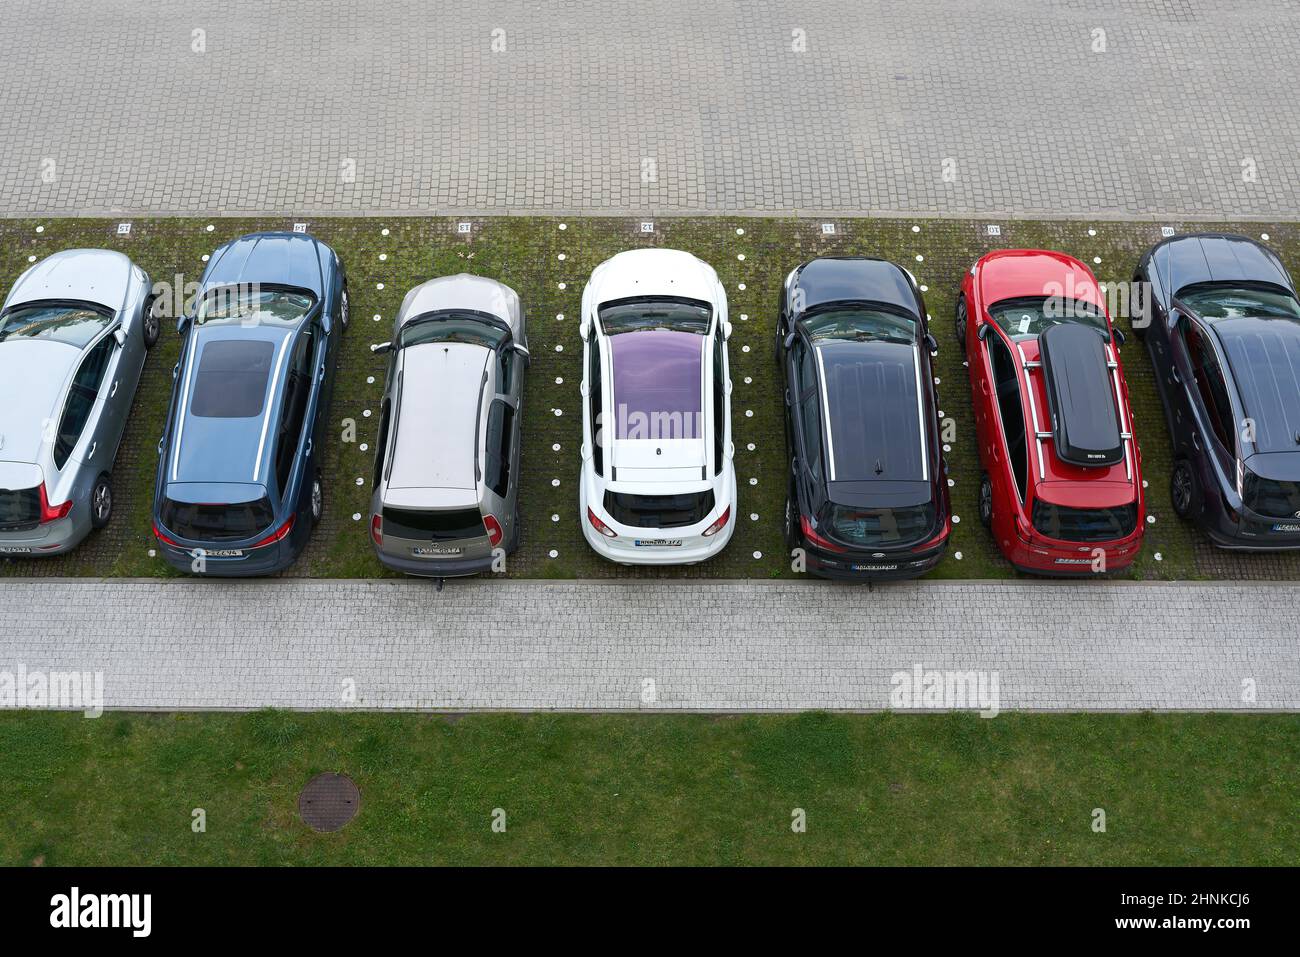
<point x="879" y="468"/>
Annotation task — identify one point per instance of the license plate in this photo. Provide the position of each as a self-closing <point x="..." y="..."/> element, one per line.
<point x="658" y="543"/>
<point x="224" y="552"/>
<point x="426" y="550"/>
<point x="875" y="568"/>
<point x="1074" y="561"/>
<point x="15" y="549"/>
<point x="1290" y="527"/>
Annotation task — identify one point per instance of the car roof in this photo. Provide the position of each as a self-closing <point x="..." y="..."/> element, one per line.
<point x="222" y="449"/>
<point x="871" y="406"/>
<point x="1264" y="356"/>
<point x="33" y="375"/>
<point x="100" y="276"/>
<point x="1214" y="257"/>
<point x="831" y="279"/>
<point x="437" y="422"/>
<point x="284" y="259"/>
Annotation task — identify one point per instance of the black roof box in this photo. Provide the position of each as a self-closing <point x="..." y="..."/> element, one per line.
<point x="1080" y="396"/>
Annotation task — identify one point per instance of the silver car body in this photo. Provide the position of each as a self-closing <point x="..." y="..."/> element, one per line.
<point x="450" y="411"/>
<point x="36" y="389"/>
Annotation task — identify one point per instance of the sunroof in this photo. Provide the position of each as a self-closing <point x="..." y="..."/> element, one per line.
<point x="231" y="379"/>
<point x="657" y="384"/>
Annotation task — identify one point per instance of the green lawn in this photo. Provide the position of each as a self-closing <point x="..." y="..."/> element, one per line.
<point x="525" y="252"/>
<point x="650" y="789"/>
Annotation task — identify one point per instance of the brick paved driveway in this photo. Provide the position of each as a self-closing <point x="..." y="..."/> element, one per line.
<point x="710" y="646"/>
<point x="1008" y="107"/>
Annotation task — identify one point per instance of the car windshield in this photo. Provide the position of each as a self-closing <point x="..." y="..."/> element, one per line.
<point x="1027" y="318"/>
<point x="450" y="327"/>
<point x="878" y="526"/>
<point x="252" y="305"/>
<point x="75" y="324"/>
<point x="860" y="324"/>
<point x="1217" y="301"/>
<point x="1270" y="497"/>
<point x="655" y="312"/>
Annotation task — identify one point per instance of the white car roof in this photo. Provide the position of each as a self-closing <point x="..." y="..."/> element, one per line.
<point x="33" y="373"/>
<point x="438" y="417"/>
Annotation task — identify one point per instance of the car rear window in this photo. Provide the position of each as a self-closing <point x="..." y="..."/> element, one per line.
<point x="659" y="511"/>
<point x="1084" y="524"/>
<point x="1270" y="497"/>
<point x="872" y="527"/>
<point x="439" y="525"/>
<point x="19" y="508"/>
<point x="217" y="522"/>
<point x="231" y="379"/>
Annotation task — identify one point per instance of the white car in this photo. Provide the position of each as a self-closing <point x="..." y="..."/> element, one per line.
<point x="658" y="484"/>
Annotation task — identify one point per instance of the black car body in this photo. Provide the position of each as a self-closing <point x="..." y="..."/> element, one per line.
<point x="868" y="494"/>
<point x="1221" y="321"/>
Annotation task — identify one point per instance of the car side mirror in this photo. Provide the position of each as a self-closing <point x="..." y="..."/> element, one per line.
<point x="182" y="324"/>
<point x="378" y="348"/>
<point x="983" y="332"/>
<point x="789" y="341"/>
<point x="931" y="343"/>
<point x="522" y="350"/>
<point x="1118" y="336"/>
<point x="584" y="328"/>
<point x="119" y="334"/>
<point x="726" y="328"/>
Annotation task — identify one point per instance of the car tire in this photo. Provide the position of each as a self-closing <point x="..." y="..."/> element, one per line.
<point x="787" y="524"/>
<point x="345" y="308"/>
<point x="317" y="500"/>
<point x="151" y="325"/>
<point x="101" y="502"/>
<point x="1183" y="489"/>
<point x="986" y="500"/>
<point x="959" y="323"/>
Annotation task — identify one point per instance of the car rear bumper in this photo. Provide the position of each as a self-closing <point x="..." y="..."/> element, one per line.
<point x="865" y="568"/>
<point x="1078" y="561"/>
<point x="52" y="538"/>
<point x="254" y="563"/>
<point x="435" y="568"/>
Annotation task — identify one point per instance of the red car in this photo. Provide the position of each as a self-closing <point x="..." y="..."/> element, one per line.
<point x="1061" y="487"/>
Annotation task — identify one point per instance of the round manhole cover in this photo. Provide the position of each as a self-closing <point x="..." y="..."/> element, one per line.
<point x="329" y="801"/>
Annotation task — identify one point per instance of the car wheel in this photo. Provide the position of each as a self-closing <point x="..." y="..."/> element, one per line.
<point x="152" y="324"/>
<point x="787" y="527"/>
<point x="345" y="308"/>
<point x="101" y="502"/>
<point x="1182" y="489"/>
<point x="960" y="324"/>
<point x="986" y="501"/>
<point x="317" y="500"/>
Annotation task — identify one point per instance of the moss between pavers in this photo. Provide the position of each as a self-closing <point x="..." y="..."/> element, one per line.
<point x="525" y="253"/>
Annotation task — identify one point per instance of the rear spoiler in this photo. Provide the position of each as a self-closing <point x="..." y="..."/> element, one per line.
<point x="1084" y="399"/>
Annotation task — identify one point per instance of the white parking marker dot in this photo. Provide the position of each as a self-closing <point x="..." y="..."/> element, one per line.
<point x="553" y="553"/>
<point x="360" y="480"/>
<point x="152" y="553"/>
<point x="561" y="257"/>
<point x="749" y="380"/>
<point x="1144" y="483"/>
<point x="379" y="285"/>
<point x="744" y="348"/>
<point x="559" y="317"/>
<point x="559" y="412"/>
<point x="1092" y="232"/>
<point x="364" y="447"/>
<point x="749" y="413"/>
<point x="758" y="554"/>
<point x="1264" y="236"/>
<point x="951" y="483"/>
<point x="744" y="317"/>
<point x="555" y="483"/>
<point x="376" y="317"/>
<point x="740" y="257"/>
<point x="1159" y="557"/>
<point x="559" y="380"/>
<point x="563" y="226"/>
<point x="383" y="257"/>
<point x="740" y="286"/>
<point x="920" y="258"/>
<point x="555" y="447"/>
<point x="957" y="555"/>
<point x="1151" y="519"/>
<point x="205" y="257"/>
<point x="1096" y="260"/>
<point x="40" y="229"/>
<point x="211" y="227"/>
<point x="365" y="413"/>
<point x="916" y="229"/>
<point x="384" y="231"/>
<point x="31" y="259"/>
<point x="370" y="380"/>
<point x="956" y="519"/>
<point x="740" y="231"/>
<point x="924" y="288"/>
<point x="751" y="446"/>
<point x="559" y="348"/>
<point x="563" y="285"/>
<point x="753" y="481"/>
<point x="555" y="518"/>
<point x="947" y="447"/>
<point x="356" y="516"/>
<point x="753" y="516"/>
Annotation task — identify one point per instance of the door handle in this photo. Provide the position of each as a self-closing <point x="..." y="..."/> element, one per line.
<point x="113" y="391"/>
<point x="984" y="386"/>
<point x="1173" y="374"/>
<point x="321" y="374"/>
<point x="307" y="449"/>
<point x="1196" y="440"/>
<point x="91" y="453"/>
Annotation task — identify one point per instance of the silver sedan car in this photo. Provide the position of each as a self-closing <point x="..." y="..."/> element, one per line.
<point x="73" y="335"/>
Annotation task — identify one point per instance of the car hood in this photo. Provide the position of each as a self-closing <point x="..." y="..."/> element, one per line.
<point x="87" y="275"/>
<point x="463" y="291"/>
<point x="653" y="272"/>
<point x="1188" y="260"/>
<point x="285" y="259"/>
<point x="829" y="280"/>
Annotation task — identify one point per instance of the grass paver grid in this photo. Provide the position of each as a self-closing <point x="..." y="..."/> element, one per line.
<point x="526" y="254"/>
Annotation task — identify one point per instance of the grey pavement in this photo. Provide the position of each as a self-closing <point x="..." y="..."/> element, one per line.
<point x="1120" y="108"/>
<point x="706" y="646"/>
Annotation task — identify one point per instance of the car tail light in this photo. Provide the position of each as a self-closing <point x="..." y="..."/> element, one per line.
<point x="943" y="533"/>
<point x="720" y="524"/>
<point x="493" y="529"/>
<point x="377" y="529"/>
<point x="53" y="513"/>
<point x="278" y="534"/>
<point x="163" y="538"/>
<point x="817" y="540"/>
<point x="601" y="527"/>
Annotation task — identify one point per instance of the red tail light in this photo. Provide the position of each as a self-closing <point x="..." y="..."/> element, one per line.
<point x="377" y="529"/>
<point x="943" y="534"/>
<point x="720" y="524"/>
<point x="815" y="539"/>
<point x="163" y="538"/>
<point x="601" y="527"/>
<point x="493" y="529"/>
<point x="50" y="514"/>
<point x="278" y="534"/>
